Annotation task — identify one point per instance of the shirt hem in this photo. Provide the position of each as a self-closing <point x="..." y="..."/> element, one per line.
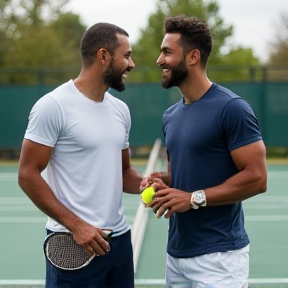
<point x="189" y="254"/>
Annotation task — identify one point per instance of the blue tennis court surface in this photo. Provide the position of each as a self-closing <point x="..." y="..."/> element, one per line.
<point x="22" y="231"/>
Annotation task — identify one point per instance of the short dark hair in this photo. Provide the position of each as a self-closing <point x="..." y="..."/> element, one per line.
<point x="100" y="35"/>
<point x="195" y="34"/>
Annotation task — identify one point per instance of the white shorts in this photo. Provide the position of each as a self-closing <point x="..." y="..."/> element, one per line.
<point x="215" y="270"/>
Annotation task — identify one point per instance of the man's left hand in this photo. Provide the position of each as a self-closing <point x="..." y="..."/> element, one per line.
<point x="170" y="200"/>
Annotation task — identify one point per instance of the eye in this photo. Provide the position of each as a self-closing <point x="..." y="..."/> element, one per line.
<point x="128" y="55"/>
<point x="166" y="52"/>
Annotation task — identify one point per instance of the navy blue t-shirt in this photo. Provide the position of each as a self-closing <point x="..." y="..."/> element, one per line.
<point x="199" y="138"/>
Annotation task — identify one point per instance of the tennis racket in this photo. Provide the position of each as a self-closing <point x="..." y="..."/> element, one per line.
<point x="62" y="251"/>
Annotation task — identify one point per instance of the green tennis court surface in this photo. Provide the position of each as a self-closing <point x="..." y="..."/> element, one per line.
<point x="22" y="234"/>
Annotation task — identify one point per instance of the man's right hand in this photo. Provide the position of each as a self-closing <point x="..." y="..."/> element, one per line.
<point x="92" y="239"/>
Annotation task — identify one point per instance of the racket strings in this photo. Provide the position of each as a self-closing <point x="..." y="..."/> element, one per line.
<point x="64" y="252"/>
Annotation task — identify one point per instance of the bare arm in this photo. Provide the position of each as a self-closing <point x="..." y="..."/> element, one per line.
<point x="250" y="181"/>
<point x="33" y="160"/>
<point x="131" y="176"/>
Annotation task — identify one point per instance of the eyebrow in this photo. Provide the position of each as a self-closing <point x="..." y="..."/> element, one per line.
<point x="164" y="49"/>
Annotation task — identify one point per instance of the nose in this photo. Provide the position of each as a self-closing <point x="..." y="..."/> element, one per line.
<point x="160" y="60"/>
<point x="131" y="63"/>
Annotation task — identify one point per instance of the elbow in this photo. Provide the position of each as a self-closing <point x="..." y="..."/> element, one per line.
<point x="262" y="183"/>
<point x="22" y="179"/>
<point x="263" y="188"/>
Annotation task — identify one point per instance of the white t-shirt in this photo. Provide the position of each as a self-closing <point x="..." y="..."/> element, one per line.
<point x="85" y="169"/>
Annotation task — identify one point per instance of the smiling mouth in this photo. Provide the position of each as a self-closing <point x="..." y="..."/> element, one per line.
<point x="166" y="73"/>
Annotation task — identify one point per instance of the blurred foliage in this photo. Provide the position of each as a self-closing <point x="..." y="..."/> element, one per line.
<point x="36" y="33"/>
<point x="279" y="46"/>
<point x="239" y="64"/>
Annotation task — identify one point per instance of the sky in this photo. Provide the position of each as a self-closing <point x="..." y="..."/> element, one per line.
<point x="254" y="21"/>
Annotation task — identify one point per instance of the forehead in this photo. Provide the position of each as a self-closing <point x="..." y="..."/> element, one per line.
<point x="171" y="41"/>
<point x="124" y="44"/>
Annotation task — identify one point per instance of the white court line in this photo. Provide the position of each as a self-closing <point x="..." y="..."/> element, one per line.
<point x="23" y="219"/>
<point x="268" y="280"/>
<point x="13" y="176"/>
<point x="259" y="218"/>
<point x="270" y="174"/>
<point x="146" y="282"/>
<point x="248" y="218"/>
<point x="261" y="206"/>
<point x="261" y="198"/>
<point x="8" y="176"/>
<point x="18" y="208"/>
<point x="277" y="173"/>
<point x="15" y="201"/>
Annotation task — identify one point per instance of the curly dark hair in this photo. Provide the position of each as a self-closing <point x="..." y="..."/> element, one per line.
<point x="195" y="34"/>
<point x="100" y="35"/>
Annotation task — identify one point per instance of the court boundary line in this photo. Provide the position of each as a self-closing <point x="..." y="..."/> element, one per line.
<point x="147" y="282"/>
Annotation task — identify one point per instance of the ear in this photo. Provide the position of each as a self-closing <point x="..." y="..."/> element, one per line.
<point x="103" y="55"/>
<point x="194" y="56"/>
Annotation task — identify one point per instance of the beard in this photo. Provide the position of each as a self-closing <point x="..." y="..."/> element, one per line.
<point x="178" y="75"/>
<point x="113" y="78"/>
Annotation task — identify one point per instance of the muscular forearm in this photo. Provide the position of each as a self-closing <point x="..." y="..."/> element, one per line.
<point x="241" y="186"/>
<point x="131" y="180"/>
<point x="42" y="196"/>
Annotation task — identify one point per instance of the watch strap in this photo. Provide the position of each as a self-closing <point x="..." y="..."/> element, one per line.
<point x="194" y="202"/>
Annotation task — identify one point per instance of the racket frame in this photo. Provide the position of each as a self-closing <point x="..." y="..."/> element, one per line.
<point x="53" y="234"/>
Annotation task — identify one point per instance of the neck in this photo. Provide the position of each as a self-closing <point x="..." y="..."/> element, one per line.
<point x="194" y="88"/>
<point x="91" y="85"/>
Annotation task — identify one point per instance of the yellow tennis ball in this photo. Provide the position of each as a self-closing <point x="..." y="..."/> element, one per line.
<point x="147" y="194"/>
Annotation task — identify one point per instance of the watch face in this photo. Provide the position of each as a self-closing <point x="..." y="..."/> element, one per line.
<point x="199" y="197"/>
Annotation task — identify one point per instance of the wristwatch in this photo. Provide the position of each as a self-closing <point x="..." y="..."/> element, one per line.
<point x="198" y="199"/>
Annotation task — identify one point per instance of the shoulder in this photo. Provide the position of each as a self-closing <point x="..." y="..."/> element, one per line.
<point x="52" y="104"/>
<point x="58" y="93"/>
<point x="230" y="100"/>
<point x="172" y="108"/>
<point x="46" y="103"/>
<point x="227" y="94"/>
<point x="119" y="104"/>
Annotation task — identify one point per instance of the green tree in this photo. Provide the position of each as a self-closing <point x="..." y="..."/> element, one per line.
<point x="239" y="64"/>
<point x="38" y="34"/>
<point x="279" y="45"/>
<point x="69" y="29"/>
<point x="15" y="13"/>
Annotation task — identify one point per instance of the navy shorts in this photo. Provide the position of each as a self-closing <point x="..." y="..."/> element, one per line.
<point x="115" y="269"/>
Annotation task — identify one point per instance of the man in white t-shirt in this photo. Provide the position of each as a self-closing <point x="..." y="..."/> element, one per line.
<point x="79" y="133"/>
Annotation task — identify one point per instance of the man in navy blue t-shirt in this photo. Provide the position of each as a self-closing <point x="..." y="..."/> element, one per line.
<point x="216" y="159"/>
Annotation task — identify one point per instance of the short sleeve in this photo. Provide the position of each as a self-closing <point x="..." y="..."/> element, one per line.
<point x="239" y="124"/>
<point x="45" y="122"/>
<point x="128" y="127"/>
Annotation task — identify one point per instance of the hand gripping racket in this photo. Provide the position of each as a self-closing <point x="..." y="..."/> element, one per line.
<point x="62" y="251"/>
